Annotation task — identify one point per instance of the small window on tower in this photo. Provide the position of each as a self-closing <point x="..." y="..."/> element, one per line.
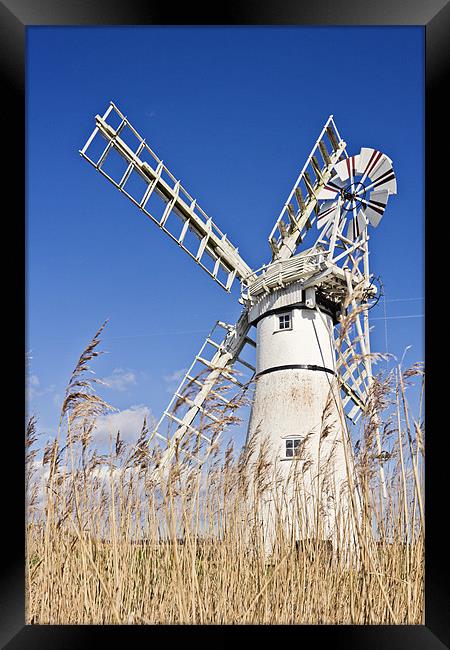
<point x="292" y="447"/>
<point x="285" y="321"/>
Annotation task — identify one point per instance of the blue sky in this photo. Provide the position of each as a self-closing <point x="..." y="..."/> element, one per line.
<point x="233" y="112"/>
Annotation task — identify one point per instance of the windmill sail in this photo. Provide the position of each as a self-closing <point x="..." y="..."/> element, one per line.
<point x="204" y="403"/>
<point x="129" y="163"/>
<point x="295" y="217"/>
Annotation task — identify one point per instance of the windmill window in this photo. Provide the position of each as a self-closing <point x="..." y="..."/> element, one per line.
<point x="285" y="321"/>
<point x="292" y="447"/>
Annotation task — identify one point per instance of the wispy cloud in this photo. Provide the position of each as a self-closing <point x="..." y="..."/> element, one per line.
<point x="173" y="379"/>
<point x="175" y="376"/>
<point x="120" y="379"/>
<point x="33" y="388"/>
<point x="128" y="422"/>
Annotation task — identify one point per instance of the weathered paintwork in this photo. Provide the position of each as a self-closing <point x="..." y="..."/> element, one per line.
<point x="301" y="404"/>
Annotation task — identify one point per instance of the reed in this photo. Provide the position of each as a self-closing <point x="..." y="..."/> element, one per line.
<point x="110" y="538"/>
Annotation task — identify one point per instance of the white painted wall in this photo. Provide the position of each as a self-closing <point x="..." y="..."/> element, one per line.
<point x="291" y="403"/>
<point x="307" y="343"/>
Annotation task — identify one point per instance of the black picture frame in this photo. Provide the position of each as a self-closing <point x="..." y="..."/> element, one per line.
<point x="434" y="16"/>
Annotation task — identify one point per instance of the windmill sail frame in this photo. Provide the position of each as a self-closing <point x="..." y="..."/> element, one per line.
<point x="218" y="367"/>
<point x="225" y="263"/>
<point x="290" y="227"/>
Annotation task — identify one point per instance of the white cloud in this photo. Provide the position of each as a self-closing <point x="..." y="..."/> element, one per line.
<point x="176" y="375"/>
<point x="31" y="387"/>
<point x="128" y="422"/>
<point x="33" y="390"/>
<point x="174" y="379"/>
<point x="120" y="379"/>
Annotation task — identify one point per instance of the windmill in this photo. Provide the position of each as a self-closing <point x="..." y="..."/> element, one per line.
<point x="295" y="301"/>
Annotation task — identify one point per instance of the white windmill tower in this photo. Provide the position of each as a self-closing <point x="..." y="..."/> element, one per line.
<point x="294" y="301"/>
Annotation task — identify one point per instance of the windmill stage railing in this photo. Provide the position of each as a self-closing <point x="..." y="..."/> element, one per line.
<point x="283" y="272"/>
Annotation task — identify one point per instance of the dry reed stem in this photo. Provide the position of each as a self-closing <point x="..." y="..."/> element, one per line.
<point x="107" y="543"/>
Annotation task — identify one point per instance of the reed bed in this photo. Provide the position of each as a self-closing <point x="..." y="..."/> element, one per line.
<point x="113" y="539"/>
